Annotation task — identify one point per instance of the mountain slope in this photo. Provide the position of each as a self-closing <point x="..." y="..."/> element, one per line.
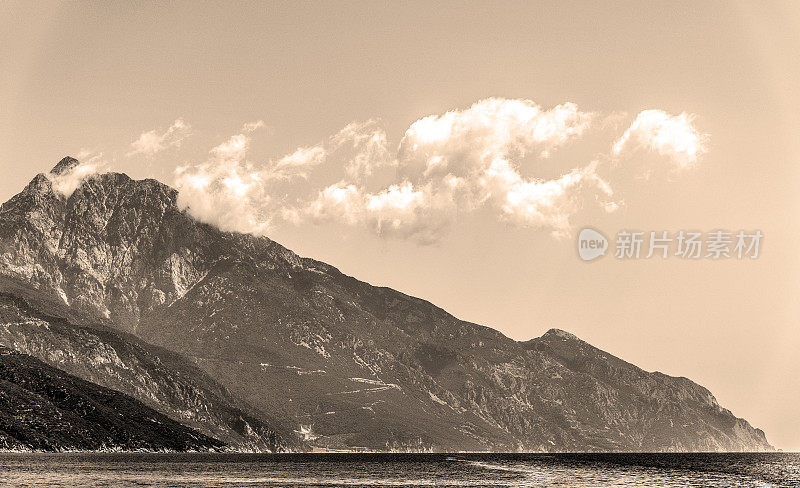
<point x="45" y="409"/>
<point x="341" y="362"/>
<point x="160" y="379"/>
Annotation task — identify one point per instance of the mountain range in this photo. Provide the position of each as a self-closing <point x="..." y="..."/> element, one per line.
<point x="253" y="347"/>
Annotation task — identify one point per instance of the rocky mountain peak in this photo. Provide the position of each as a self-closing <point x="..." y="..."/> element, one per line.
<point x="64" y="166"/>
<point x="562" y="334"/>
<point x="117" y="248"/>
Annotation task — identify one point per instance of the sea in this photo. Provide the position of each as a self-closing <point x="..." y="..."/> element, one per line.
<point x="122" y="470"/>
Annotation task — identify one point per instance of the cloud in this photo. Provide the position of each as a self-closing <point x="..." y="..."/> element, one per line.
<point x="673" y="136"/>
<point x="300" y="162"/>
<point x="464" y="143"/>
<point x="68" y="181"/>
<point x="490" y="129"/>
<point x="236" y="146"/>
<point x="341" y="201"/>
<point x="545" y="203"/>
<point x="423" y="213"/>
<point x="221" y="194"/>
<point x="152" y="142"/>
<point x="486" y="157"/>
<point x="363" y="148"/>
<point x="235" y="194"/>
<point x="233" y="149"/>
<point x="401" y="210"/>
<point x="226" y="191"/>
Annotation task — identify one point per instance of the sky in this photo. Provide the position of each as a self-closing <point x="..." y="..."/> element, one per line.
<point x="453" y="152"/>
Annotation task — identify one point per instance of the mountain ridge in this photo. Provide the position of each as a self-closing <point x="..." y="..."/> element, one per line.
<point x="45" y="409"/>
<point x="340" y="362"/>
<point x="156" y="377"/>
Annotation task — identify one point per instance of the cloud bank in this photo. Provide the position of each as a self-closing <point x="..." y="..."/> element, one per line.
<point x="482" y="158"/>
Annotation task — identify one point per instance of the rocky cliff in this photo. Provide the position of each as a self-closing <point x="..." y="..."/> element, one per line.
<point x="336" y="360"/>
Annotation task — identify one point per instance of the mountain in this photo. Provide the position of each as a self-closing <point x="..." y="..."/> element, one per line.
<point x="315" y="353"/>
<point x="44" y="409"/>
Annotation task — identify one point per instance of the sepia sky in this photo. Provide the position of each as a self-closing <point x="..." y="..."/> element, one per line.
<point x="453" y="151"/>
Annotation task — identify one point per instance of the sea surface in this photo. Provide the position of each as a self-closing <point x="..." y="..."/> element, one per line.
<point x="435" y="470"/>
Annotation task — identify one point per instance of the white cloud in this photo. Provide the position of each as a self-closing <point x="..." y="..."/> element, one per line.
<point x="444" y="166"/>
<point x="233" y="149"/>
<point x="673" y="136"/>
<point x="401" y="210"/>
<point x="152" y="142"/>
<point x="422" y="213"/>
<point x="300" y="162"/>
<point x="222" y="193"/>
<point x="396" y="198"/>
<point x="467" y="142"/>
<point x="547" y="203"/>
<point x="226" y="191"/>
<point x="234" y="194"/>
<point x="341" y="201"/>
<point x="363" y="149"/>
<point x="67" y="182"/>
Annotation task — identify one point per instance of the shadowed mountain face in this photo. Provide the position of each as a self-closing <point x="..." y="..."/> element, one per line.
<point x="340" y="362"/>
<point x="154" y="376"/>
<point x="45" y="409"/>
